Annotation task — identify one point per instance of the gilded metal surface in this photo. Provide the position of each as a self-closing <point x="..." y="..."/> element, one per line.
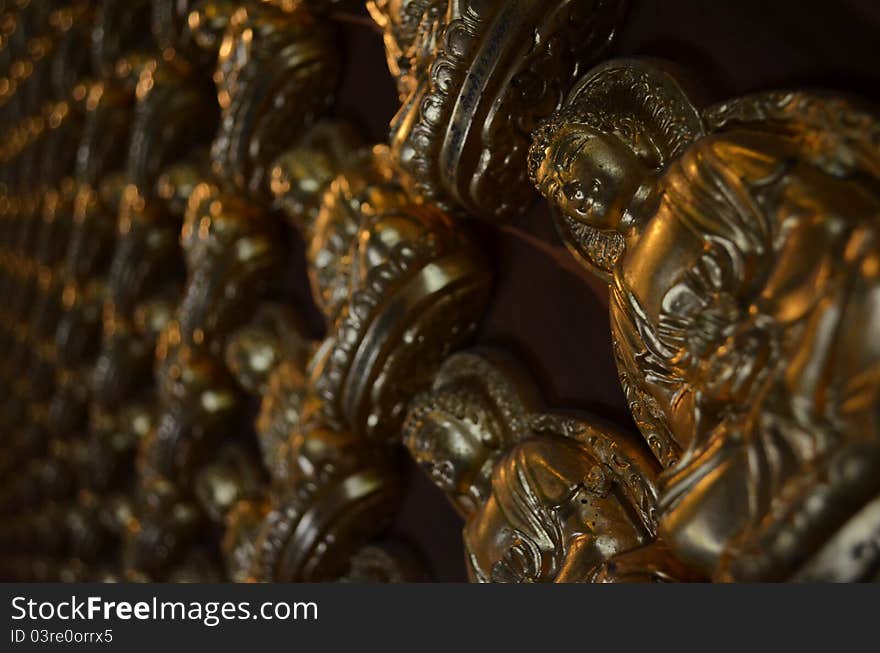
<point x="743" y="306"/>
<point x="172" y="413"/>
<point x="334" y="481"/>
<point x="232" y="251"/>
<point x="545" y="497"/>
<point x="276" y="71"/>
<point x="413" y="287"/>
<point x="329" y="491"/>
<point x="475" y="79"/>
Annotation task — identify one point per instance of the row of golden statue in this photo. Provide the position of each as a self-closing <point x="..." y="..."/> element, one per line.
<point x="159" y="162"/>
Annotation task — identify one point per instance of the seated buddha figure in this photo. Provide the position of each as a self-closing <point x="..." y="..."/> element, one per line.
<point x="474" y="78"/>
<point x="477" y="408"/>
<point x="545" y="497"/>
<point x="232" y="252"/>
<point x="276" y="70"/>
<point x="330" y="491"/>
<point x="741" y="248"/>
<point x="400" y="285"/>
<point x="268" y="357"/>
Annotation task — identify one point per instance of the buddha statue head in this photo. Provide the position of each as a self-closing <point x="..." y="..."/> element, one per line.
<point x="545" y="497"/>
<point x="717" y="300"/>
<point x="589" y="172"/>
<point x="502" y="66"/>
<point x="455" y="440"/>
<point x="456" y="431"/>
<point x="598" y="159"/>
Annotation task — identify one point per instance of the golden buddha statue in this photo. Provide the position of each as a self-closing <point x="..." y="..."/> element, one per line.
<point x="740" y="244"/>
<point x="340" y="492"/>
<point x="277" y="71"/>
<point x="268" y="358"/>
<point x="375" y="261"/>
<point x="474" y="79"/>
<point x="545" y="497"/>
<point x="556" y="511"/>
<point x="234" y="246"/>
<point x="233" y="250"/>
<point x="403" y="287"/>
<point x="329" y="492"/>
<point x="233" y="255"/>
<point x="477" y="408"/>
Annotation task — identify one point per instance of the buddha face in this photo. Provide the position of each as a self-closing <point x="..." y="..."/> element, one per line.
<point x="553" y="514"/>
<point x="454" y="452"/>
<point x="592" y="177"/>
